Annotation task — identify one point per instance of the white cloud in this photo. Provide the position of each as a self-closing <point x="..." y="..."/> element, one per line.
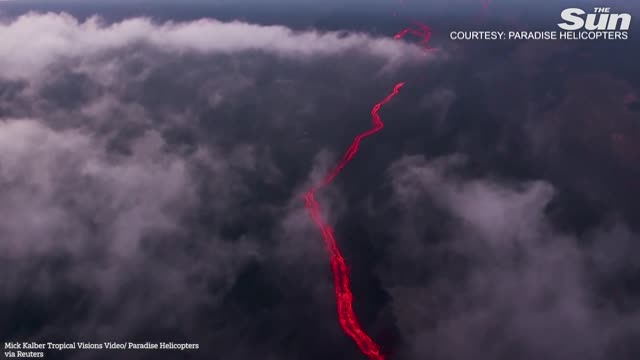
<point x="505" y="269"/>
<point x="33" y="41"/>
<point x="47" y="170"/>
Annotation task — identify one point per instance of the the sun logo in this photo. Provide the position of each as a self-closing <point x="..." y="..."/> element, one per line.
<point x="600" y="19"/>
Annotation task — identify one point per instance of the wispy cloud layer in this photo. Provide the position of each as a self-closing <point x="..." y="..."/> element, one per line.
<point x="33" y="41"/>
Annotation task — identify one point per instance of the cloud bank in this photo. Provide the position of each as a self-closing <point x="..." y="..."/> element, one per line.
<point x="507" y="283"/>
<point x="34" y="41"/>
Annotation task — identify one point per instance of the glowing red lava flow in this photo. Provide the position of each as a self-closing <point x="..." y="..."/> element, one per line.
<point x="419" y="30"/>
<point x="344" y="297"/>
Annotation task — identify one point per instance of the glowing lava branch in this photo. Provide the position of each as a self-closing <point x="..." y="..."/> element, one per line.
<point x="422" y="31"/>
<point x="376" y="125"/>
<point x="344" y="297"/>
